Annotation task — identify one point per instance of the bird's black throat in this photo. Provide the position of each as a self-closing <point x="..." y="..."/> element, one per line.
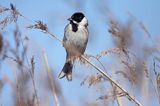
<point x="74" y="26"/>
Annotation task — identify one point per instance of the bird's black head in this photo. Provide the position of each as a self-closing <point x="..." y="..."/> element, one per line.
<point x="78" y="16"/>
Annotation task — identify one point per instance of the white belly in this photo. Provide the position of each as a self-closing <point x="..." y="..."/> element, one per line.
<point x="76" y="41"/>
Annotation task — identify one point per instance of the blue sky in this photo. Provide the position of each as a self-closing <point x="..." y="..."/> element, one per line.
<point x="55" y="13"/>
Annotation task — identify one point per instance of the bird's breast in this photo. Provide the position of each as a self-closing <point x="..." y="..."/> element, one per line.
<point x="75" y="42"/>
<point x="78" y="38"/>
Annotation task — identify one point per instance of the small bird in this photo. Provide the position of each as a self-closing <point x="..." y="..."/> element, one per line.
<point x="74" y="41"/>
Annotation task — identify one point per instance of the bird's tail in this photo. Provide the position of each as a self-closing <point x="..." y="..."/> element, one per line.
<point x="66" y="71"/>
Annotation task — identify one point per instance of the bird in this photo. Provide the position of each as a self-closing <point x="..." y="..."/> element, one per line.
<point x="74" y="41"/>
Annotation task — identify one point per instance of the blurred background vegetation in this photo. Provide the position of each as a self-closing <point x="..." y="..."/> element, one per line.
<point x="123" y="41"/>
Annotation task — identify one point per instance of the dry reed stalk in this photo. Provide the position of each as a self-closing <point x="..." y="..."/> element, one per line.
<point x="116" y="96"/>
<point x="17" y="88"/>
<point x="31" y="72"/>
<point x="51" y="81"/>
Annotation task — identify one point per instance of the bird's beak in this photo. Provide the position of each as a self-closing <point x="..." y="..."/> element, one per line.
<point x="69" y="19"/>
